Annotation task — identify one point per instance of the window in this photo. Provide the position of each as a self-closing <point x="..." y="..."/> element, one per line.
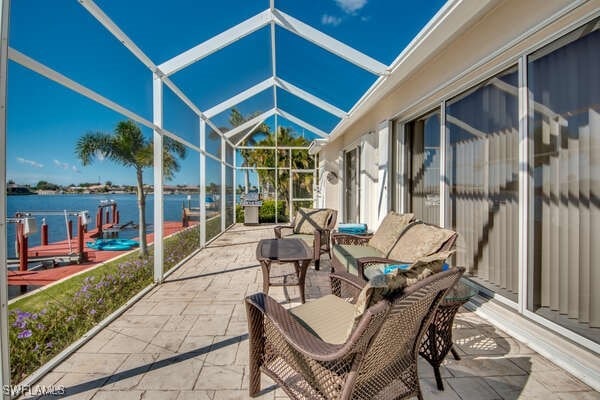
<point x="482" y="168"/>
<point x="564" y="85"/>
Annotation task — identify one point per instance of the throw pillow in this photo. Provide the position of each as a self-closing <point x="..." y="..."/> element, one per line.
<point x="310" y="219"/>
<point x="389" y="230"/>
<point x="419" y="240"/>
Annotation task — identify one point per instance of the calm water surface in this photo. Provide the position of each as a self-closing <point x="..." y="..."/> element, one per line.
<point x="126" y="204"/>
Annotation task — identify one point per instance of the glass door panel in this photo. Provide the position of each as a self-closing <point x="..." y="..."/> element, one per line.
<point x="352" y="185"/>
<point x="424" y="167"/>
<point x="564" y="85"/>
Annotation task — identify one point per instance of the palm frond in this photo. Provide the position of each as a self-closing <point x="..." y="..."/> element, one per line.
<point x="90" y="145"/>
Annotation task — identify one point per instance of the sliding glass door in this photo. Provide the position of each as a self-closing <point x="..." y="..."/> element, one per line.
<point x="482" y="162"/>
<point x="481" y="181"/>
<point x="564" y="85"/>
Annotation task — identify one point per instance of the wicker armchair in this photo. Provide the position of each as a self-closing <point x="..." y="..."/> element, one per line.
<point x="361" y="257"/>
<point x="317" y="237"/>
<point x="377" y="360"/>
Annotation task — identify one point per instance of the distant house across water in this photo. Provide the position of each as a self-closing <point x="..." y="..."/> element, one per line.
<point x="14" y="189"/>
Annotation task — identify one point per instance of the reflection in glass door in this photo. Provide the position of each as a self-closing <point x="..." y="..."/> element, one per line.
<point x="423" y="135"/>
<point x="352" y="185"/>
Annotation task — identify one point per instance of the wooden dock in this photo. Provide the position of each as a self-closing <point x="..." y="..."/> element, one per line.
<point x="61" y="249"/>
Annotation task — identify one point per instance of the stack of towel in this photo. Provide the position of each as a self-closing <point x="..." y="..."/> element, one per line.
<point x="354" y="229"/>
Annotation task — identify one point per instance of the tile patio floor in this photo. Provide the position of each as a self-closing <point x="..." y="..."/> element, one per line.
<point x="187" y="339"/>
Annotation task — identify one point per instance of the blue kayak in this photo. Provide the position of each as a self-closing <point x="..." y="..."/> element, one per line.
<point x="113" y="244"/>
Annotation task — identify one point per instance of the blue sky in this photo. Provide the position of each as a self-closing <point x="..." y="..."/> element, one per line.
<point x="45" y="119"/>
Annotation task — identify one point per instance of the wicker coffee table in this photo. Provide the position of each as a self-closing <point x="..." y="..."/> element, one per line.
<point x="283" y="251"/>
<point x="437" y="341"/>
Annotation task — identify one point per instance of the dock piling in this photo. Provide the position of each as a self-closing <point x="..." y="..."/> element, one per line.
<point x="80" y="238"/>
<point x="23" y="246"/>
<point x="99" y="221"/>
<point x="44" y="232"/>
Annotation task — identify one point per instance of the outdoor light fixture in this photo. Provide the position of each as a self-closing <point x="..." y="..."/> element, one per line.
<point x="316" y="146"/>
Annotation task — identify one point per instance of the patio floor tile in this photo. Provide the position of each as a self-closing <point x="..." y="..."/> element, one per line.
<point x="220" y="377"/>
<point x="125" y="344"/>
<point x="91" y="363"/>
<point x="473" y="388"/>
<point x="130" y="372"/>
<point x="196" y="395"/>
<point x="171" y="373"/>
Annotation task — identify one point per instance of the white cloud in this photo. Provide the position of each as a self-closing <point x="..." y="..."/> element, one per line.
<point x="330" y="20"/>
<point x="351" y="6"/>
<point x="61" y="164"/>
<point x="66" y="166"/>
<point x="30" y="162"/>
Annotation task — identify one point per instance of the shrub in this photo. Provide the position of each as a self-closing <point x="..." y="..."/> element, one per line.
<point x="180" y="246"/>
<point x="267" y="211"/>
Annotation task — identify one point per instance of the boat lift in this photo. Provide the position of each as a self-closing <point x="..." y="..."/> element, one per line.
<point x="26" y="226"/>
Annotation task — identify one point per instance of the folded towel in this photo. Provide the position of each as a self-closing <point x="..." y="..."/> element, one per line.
<point x="352" y="228"/>
<point x="388" y="269"/>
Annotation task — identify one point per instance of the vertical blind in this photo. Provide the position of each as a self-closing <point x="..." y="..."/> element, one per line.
<point x="564" y="85"/>
<point x="424" y="166"/>
<point x="482" y="171"/>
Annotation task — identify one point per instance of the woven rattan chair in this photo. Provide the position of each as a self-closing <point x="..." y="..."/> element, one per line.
<point x="318" y="236"/>
<point x="378" y="360"/>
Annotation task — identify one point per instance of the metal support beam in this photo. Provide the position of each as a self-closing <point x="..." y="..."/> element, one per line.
<point x="249" y="123"/>
<point x="216" y="43"/>
<point x="157" y="106"/>
<point x="223" y="185"/>
<point x="234" y="170"/>
<point x="444" y="181"/>
<point x="312" y="99"/>
<point x="526" y="109"/>
<point x="303" y="124"/>
<point x="4" y="337"/>
<point x="59" y="78"/>
<point x="328" y="43"/>
<point x="276" y="172"/>
<point x="105" y="20"/>
<point x="238" y="98"/>
<point x="254" y="128"/>
<point x="202" y="183"/>
<point x="273" y="56"/>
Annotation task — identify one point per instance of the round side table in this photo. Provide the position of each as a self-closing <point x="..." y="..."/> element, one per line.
<point x="437" y="341"/>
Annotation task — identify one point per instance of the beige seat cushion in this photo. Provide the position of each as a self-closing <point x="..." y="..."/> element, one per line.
<point x="382" y="285"/>
<point x="419" y="240"/>
<point x="310" y="219"/>
<point x="308" y="239"/>
<point x="348" y="253"/>
<point x="389" y="230"/>
<point x="328" y="317"/>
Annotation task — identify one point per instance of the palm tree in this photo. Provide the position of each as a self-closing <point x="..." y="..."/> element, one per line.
<point x="128" y="147"/>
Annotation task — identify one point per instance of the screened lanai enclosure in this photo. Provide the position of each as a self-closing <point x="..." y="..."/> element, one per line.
<point x="92" y="66"/>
